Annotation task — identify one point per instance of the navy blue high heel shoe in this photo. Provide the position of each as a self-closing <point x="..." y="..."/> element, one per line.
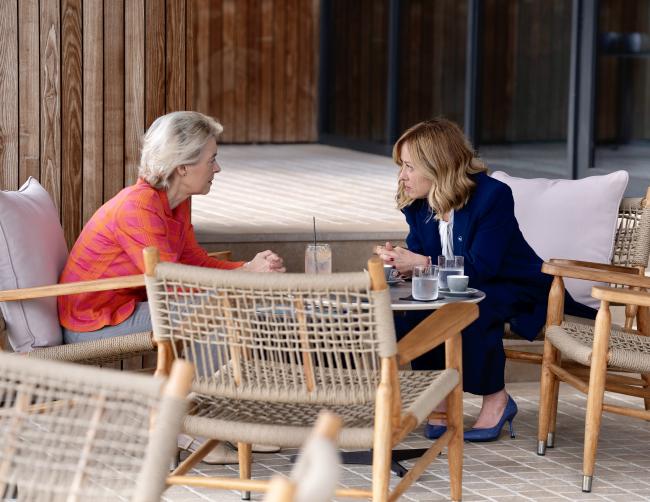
<point x="493" y="433"/>
<point x="434" y="431"/>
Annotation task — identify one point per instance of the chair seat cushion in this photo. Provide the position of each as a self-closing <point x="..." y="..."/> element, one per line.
<point x="289" y="424"/>
<point x="572" y="219"/>
<point x="32" y="253"/>
<point x="628" y="350"/>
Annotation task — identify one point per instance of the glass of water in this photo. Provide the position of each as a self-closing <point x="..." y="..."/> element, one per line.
<point x="318" y="259"/>
<point x="450" y="266"/>
<point x="424" y="284"/>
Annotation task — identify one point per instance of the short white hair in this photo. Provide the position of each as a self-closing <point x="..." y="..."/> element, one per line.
<point x="174" y="140"/>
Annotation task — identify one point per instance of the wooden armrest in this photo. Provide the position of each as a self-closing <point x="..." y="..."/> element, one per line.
<point x="221" y="255"/>
<point x="598" y="266"/>
<point x="592" y="274"/>
<point x="72" y="288"/>
<point x="619" y="295"/>
<point x="435" y="329"/>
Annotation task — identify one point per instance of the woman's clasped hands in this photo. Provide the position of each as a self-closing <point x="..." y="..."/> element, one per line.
<point x="265" y="261"/>
<point x="400" y="258"/>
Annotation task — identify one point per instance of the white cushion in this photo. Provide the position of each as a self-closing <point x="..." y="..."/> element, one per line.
<point x="573" y="219"/>
<point x="32" y="253"/>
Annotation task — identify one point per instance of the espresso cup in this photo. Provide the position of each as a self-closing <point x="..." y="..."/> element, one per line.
<point x="457" y="283"/>
<point x="390" y="273"/>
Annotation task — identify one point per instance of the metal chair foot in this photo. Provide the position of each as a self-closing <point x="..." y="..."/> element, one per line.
<point x="245" y="495"/>
<point x="550" y="440"/>
<point x="541" y="448"/>
<point x="586" y="483"/>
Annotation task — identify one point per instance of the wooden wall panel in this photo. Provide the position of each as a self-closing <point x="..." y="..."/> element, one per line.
<point x="51" y="99"/>
<point x="9" y="94"/>
<point x="279" y="81"/>
<point x="81" y="80"/>
<point x="432" y="69"/>
<point x="155" y="84"/>
<point x="113" y="98"/>
<point x="254" y="67"/>
<point x="134" y="75"/>
<point x="358" y="69"/>
<point x="71" y="124"/>
<point x="240" y="76"/>
<point x="526" y="56"/>
<point x="253" y="30"/>
<point x="29" y="160"/>
<point x="93" y="107"/>
<point x="612" y="81"/>
<point x="175" y="55"/>
<point x="228" y="59"/>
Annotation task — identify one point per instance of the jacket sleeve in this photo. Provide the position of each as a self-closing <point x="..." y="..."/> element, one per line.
<point x="495" y="227"/>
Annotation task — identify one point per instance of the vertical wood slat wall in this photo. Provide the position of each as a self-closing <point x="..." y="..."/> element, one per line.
<point x="81" y="80"/>
<point x="254" y="67"/>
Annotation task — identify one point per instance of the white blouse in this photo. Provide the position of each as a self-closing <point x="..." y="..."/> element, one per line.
<point x="446" y="229"/>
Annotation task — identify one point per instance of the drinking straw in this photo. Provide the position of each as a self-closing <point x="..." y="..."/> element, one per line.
<point x="314" y="218"/>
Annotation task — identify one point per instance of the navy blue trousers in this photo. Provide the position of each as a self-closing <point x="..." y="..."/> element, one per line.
<point x="483" y="354"/>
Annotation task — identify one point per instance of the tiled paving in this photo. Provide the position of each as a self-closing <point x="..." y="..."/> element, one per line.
<point x="507" y="470"/>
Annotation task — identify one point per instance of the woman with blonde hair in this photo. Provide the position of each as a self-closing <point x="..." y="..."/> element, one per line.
<point x="453" y="208"/>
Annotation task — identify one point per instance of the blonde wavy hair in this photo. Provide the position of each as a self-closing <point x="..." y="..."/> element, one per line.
<point x="444" y="155"/>
<point x="174" y="140"/>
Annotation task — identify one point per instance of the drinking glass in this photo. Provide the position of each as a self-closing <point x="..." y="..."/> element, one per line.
<point x="424" y="284"/>
<point x="318" y="259"/>
<point x="450" y="266"/>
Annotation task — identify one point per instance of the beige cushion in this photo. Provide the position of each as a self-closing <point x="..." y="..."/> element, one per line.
<point x="573" y="219"/>
<point x="32" y="253"/>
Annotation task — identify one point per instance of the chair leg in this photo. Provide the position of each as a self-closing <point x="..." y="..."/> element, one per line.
<point x="382" y="454"/>
<point x="244" y="451"/>
<point x="455" y="447"/>
<point x="548" y="383"/>
<point x="646" y="379"/>
<point x="550" y="436"/>
<point x="597" y="377"/>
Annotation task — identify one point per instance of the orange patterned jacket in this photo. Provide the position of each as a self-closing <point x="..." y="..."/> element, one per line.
<point x="111" y="244"/>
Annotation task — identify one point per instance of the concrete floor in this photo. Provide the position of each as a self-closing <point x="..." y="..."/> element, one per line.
<point x="506" y="470"/>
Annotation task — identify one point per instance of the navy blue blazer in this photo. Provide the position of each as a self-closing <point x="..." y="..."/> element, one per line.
<point x="497" y="257"/>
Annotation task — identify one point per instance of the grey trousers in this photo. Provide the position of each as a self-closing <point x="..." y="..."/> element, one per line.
<point x="137" y="322"/>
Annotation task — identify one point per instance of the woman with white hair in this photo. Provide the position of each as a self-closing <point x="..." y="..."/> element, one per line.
<point x="179" y="159"/>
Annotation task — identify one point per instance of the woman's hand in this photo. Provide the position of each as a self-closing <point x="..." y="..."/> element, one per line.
<point x="402" y="259"/>
<point x="266" y="261"/>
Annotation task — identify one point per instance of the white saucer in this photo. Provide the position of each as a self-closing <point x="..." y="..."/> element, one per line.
<point x="459" y="294"/>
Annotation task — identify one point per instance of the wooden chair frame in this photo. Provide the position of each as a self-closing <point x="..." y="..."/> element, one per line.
<point x="92" y="352"/>
<point x="593" y="380"/>
<point x="391" y="424"/>
<point x="163" y="425"/>
<point x="283" y="489"/>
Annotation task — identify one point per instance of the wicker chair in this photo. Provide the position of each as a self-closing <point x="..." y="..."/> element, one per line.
<point x="602" y="352"/>
<point x="272" y="350"/>
<point x="73" y="433"/>
<point x="630" y="255"/>
<point x="108" y="351"/>
<point x="315" y="475"/>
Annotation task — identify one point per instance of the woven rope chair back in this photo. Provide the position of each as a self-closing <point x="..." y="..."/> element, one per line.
<point x="632" y="242"/>
<point x="276" y="337"/>
<point x="75" y="433"/>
